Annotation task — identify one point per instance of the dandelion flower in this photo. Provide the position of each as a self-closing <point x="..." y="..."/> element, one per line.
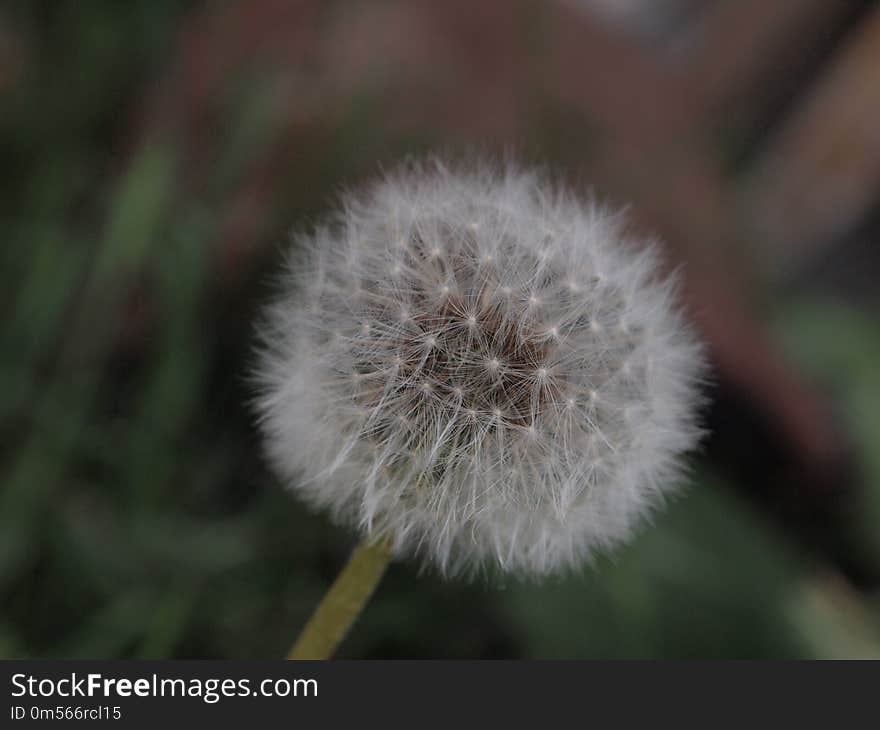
<point x="481" y="368"/>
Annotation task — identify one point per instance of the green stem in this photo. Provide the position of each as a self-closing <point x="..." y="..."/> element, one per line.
<point x="344" y="601"/>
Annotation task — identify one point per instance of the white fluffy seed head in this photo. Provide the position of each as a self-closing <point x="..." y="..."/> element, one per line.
<point x="530" y="408"/>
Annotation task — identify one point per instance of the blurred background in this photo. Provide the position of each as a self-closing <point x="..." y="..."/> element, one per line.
<point x="155" y="155"/>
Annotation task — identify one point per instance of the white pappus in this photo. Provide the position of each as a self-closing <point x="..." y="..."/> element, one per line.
<point x="481" y="367"/>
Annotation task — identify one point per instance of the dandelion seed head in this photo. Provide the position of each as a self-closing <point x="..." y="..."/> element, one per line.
<point x="414" y="383"/>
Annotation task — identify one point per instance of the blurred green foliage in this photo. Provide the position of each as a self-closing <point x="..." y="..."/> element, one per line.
<point x="137" y="518"/>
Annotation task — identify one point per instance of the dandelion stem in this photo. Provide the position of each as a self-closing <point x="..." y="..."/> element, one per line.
<point x="344" y="601"/>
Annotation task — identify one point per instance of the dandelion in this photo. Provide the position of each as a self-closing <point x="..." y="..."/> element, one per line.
<point x="472" y="367"/>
